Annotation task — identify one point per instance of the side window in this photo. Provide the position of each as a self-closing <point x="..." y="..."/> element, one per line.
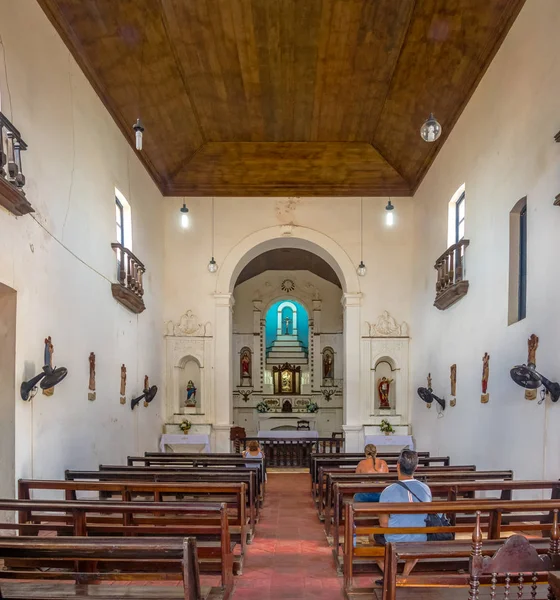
<point x="517" y="304"/>
<point x="120" y="221"/>
<point x="123" y="220"/>
<point x="456" y="217"/>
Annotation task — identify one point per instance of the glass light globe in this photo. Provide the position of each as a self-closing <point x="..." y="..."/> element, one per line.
<point x="431" y="130"/>
<point x="389" y="215"/>
<point x="361" y="270"/>
<point x="212" y="266"/>
<point x="185" y="217"/>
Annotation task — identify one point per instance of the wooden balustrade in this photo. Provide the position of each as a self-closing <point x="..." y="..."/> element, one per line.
<point x="12" y="179"/>
<point x="451" y="284"/>
<point x="294" y="452"/>
<point x="129" y="290"/>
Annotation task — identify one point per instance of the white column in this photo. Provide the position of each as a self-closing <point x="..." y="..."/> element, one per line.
<point x="352" y="414"/>
<point x="223" y="374"/>
<point x="353" y="438"/>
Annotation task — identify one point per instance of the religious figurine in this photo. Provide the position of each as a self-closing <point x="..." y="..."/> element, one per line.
<point x="286" y="381"/>
<point x="485" y="374"/>
<point x="245" y="366"/>
<point x="328" y="364"/>
<point x="383" y="387"/>
<point x="91" y="386"/>
<point x="429" y="404"/>
<point x="191" y="394"/>
<point x="146" y="388"/>
<point x="532" y="345"/>
<point x="453" y="379"/>
<point x="287" y="324"/>
<point x="48" y="359"/>
<point x="123" y="384"/>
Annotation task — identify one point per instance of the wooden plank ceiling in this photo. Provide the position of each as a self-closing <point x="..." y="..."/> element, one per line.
<point x="284" y="97"/>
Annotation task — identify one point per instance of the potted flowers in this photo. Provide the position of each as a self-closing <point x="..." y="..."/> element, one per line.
<point x="262" y="407"/>
<point x="312" y="407"/>
<point x="185" y="426"/>
<point x="386" y="427"/>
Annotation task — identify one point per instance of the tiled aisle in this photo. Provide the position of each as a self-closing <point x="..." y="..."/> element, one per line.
<point x="289" y="557"/>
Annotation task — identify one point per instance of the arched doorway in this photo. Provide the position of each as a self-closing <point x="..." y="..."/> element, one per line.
<point x="238" y="258"/>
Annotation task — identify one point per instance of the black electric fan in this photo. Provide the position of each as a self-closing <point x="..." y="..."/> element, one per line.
<point x="48" y="378"/>
<point x="529" y="378"/>
<point x="148" y="396"/>
<point x="428" y="396"/>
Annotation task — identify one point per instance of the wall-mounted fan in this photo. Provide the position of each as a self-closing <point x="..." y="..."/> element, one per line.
<point x="148" y="396"/>
<point x="428" y="396"/>
<point x="529" y="378"/>
<point x="48" y="378"/>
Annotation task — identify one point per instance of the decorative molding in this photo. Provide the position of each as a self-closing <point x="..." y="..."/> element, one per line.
<point x="387" y="326"/>
<point x="188" y="325"/>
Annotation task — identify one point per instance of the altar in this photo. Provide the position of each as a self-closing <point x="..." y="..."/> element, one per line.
<point x="285" y="421"/>
<point x="390" y="443"/>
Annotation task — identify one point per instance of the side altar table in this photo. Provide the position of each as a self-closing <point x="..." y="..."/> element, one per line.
<point x="201" y="440"/>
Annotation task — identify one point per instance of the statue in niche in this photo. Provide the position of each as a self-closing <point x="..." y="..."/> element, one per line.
<point x="123" y="384"/>
<point x="383" y="388"/>
<point x="48" y="359"/>
<point x="91" y="386"/>
<point x="485" y="397"/>
<point x="191" y="394"/>
<point x="245" y="363"/>
<point x="287" y="322"/>
<point x="286" y="382"/>
<point x="532" y="345"/>
<point x="453" y="379"/>
<point x="328" y="363"/>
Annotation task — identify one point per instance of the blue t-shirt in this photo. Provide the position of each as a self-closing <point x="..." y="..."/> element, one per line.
<point x="396" y="493"/>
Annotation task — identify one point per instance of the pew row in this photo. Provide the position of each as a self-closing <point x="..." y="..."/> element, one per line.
<point x="362" y="519"/>
<point x="88" y="561"/>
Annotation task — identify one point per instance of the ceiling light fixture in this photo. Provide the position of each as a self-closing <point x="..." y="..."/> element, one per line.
<point x="185" y="220"/>
<point x="361" y="270"/>
<point x="212" y="265"/>
<point x="431" y="130"/>
<point x="389" y="214"/>
<point x="138" y="130"/>
<point x="138" y="127"/>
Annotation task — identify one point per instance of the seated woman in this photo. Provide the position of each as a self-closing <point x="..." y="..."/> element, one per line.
<point x="253" y="451"/>
<point x="371" y="464"/>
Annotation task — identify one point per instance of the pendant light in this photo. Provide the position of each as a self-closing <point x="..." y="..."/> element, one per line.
<point x="361" y="270"/>
<point x="138" y="127"/>
<point x="212" y="265"/>
<point x="431" y="129"/>
<point x="389" y="214"/>
<point x="185" y="220"/>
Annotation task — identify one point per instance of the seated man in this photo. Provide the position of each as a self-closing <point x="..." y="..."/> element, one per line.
<point x="407" y="489"/>
<point x="371" y="464"/>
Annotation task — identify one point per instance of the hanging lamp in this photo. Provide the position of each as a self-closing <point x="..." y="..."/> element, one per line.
<point x="389" y="214"/>
<point x="138" y="127"/>
<point x="212" y="265"/>
<point x="185" y="219"/>
<point x="361" y="270"/>
<point x="431" y="129"/>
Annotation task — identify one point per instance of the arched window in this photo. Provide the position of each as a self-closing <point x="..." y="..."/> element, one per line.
<point x="517" y="304"/>
<point x="456" y="217"/>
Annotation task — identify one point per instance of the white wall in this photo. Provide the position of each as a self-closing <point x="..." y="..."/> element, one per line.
<point x="76" y="157"/>
<point x="502" y="148"/>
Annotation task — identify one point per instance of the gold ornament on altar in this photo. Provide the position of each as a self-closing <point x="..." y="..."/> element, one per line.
<point x="532" y="345"/>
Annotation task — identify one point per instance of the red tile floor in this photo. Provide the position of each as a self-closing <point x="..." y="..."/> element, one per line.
<point x="289" y="557"/>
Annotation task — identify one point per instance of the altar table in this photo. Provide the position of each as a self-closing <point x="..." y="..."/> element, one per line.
<point x="194" y="439"/>
<point x="388" y="443"/>
<point x="288" y="434"/>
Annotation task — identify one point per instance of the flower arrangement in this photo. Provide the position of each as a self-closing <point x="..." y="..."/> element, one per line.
<point x="386" y="427"/>
<point x="312" y="407"/>
<point x="262" y="407"/>
<point x="185" y="426"/>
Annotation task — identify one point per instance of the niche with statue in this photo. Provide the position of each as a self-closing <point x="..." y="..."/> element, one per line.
<point x="190" y="393"/>
<point x="385" y="386"/>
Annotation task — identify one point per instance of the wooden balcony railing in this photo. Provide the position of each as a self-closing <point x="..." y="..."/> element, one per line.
<point x="451" y="284"/>
<point x="12" y="179"/>
<point x="129" y="290"/>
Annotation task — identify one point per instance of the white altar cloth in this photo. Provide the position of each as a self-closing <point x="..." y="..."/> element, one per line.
<point x="288" y="434"/>
<point x="394" y="441"/>
<point x="194" y="439"/>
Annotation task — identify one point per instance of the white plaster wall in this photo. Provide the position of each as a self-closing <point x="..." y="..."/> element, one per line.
<point x="502" y="148"/>
<point x="76" y="157"/>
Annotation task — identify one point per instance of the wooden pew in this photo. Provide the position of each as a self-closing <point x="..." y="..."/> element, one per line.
<point x="343" y="493"/>
<point x="233" y="494"/>
<point x="248" y="475"/>
<point x="87" y="561"/>
<point x="362" y="519"/>
<point x="206" y="522"/>
<point x="462" y="471"/>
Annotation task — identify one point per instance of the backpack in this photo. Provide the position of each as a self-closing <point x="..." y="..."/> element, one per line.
<point x="433" y="520"/>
